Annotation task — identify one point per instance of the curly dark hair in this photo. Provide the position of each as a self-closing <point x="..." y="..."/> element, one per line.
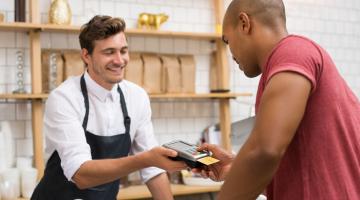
<point x="98" y="28"/>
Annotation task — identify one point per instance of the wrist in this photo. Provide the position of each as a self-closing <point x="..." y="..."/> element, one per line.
<point x="144" y="159"/>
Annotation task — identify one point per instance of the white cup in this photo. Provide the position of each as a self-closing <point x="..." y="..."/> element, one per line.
<point x="12" y="176"/>
<point x="28" y="181"/>
<point x="23" y="162"/>
<point x="7" y="190"/>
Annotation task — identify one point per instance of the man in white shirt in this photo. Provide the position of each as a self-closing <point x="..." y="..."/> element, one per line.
<point x="92" y="122"/>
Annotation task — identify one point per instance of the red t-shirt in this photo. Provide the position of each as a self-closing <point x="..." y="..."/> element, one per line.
<point x="323" y="159"/>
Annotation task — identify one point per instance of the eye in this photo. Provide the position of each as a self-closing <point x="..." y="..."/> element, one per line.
<point x="235" y="60"/>
<point x="124" y="50"/>
<point x="225" y="40"/>
<point x="108" y="51"/>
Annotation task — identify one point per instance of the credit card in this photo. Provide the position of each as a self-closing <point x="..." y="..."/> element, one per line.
<point x="208" y="160"/>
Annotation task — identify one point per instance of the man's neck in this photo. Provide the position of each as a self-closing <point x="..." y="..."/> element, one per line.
<point x="267" y="45"/>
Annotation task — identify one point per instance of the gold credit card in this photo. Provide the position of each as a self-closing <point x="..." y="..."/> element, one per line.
<point x="208" y="160"/>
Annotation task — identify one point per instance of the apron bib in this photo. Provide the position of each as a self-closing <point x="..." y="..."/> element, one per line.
<point x="55" y="186"/>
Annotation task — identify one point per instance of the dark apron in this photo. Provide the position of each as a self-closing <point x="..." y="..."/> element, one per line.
<point x="54" y="184"/>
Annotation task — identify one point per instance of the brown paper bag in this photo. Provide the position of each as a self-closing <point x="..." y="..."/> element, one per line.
<point x="52" y="69"/>
<point x="188" y="72"/>
<point x="172" y="74"/>
<point x="134" y="69"/>
<point x="152" y="81"/>
<point x="74" y="66"/>
<point x="214" y="85"/>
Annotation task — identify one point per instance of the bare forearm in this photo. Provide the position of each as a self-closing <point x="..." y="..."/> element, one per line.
<point x="159" y="187"/>
<point x="251" y="172"/>
<point x="97" y="172"/>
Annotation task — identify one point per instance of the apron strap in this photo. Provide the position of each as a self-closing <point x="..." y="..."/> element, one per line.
<point x="127" y="119"/>
<point x="86" y="101"/>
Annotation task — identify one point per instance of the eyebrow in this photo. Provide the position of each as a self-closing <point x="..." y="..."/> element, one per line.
<point x="223" y="39"/>
<point x="122" y="48"/>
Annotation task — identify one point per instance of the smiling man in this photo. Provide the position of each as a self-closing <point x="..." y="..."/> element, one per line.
<point x="94" y="121"/>
<point x="305" y="143"/>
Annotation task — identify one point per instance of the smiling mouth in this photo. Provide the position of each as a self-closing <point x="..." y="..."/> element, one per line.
<point x="115" y="70"/>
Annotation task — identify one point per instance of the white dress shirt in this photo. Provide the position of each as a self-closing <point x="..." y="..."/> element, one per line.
<point x="65" y="111"/>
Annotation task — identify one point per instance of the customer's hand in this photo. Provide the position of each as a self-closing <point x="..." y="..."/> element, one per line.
<point x="219" y="170"/>
<point x="159" y="157"/>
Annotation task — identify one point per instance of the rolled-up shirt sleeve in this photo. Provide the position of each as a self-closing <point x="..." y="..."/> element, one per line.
<point x="144" y="138"/>
<point x="64" y="132"/>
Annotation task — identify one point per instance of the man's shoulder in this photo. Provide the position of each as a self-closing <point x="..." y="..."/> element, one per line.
<point x="70" y="87"/>
<point x="296" y="49"/>
<point x="133" y="88"/>
<point x="299" y="42"/>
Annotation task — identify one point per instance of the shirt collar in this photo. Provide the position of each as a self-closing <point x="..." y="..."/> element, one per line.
<point x="97" y="90"/>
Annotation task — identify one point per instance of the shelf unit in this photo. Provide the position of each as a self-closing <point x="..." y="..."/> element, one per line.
<point x="142" y="192"/>
<point x="152" y="96"/>
<point x="34" y="29"/>
<point x="23" y="26"/>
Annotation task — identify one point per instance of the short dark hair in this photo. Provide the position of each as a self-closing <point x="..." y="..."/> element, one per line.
<point x="268" y="12"/>
<point x="98" y="28"/>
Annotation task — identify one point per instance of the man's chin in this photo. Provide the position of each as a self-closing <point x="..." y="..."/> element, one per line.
<point x="251" y="74"/>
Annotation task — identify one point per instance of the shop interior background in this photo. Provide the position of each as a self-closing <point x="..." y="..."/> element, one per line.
<point x="334" y="24"/>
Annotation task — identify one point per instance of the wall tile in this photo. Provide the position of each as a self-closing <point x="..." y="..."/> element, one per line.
<point x="152" y="44"/>
<point x="3" y="57"/>
<point x="166" y="45"/>
<point x="166" y="109"/>
<point x="58" y="40"/>
<point x="7" y="39"/>
<point x="122" y="10"/>
<point x="180" y="46"/>
<point x="107" y="8"/>
<point x="18" y="129"/>
<point x="137" y="44"/>
<point x="28" y="129"/>
<point x="23" y="111"/>
<point x="24" y="147"/>
<point x="7" y="111"/>
<point x="77" y="7"/>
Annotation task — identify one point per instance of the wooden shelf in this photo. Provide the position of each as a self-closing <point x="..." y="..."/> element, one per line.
<point x="141" y="191"/>
<point x="152" y="96"/>
<point x="200" y="96"/>
<point x="24" y="26"/>
<point x="137" y="32"/>
<point x="18" y="26"/>
<point x="23" y="96"/>
<point x="172" y="34"/>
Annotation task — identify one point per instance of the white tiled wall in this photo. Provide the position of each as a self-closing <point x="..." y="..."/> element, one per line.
<point x="335" y="24"/>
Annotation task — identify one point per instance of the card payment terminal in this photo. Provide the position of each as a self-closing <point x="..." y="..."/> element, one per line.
<point x="188" y="153"/>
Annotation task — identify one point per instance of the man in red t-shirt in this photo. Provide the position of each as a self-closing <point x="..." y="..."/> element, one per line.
<point x="305" y="143"/>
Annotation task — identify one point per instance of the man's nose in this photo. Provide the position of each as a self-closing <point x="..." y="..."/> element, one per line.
<point x="118" y="58"/>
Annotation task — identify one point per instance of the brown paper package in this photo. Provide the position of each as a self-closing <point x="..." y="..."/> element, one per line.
<point x="152" y="81"/>
<point x="134" y="69"/>
<point x="172" y="74"/>
<point x="74" y="66"/>
<point x="188" y="72"/>
<point x="45" y="63"/>
<point x="214" y="86"/>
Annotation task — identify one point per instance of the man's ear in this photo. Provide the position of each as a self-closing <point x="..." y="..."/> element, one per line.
<point x="244" y="23"/>
<point x="85" y="56"/>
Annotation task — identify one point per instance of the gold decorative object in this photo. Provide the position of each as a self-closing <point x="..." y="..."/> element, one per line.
<point x="60" y="12"/>
<point x="1" y="17"/>
<point x="151" y="21"/>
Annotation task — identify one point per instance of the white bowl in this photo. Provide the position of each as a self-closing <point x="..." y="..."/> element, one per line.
<point x="198" y="181"/>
